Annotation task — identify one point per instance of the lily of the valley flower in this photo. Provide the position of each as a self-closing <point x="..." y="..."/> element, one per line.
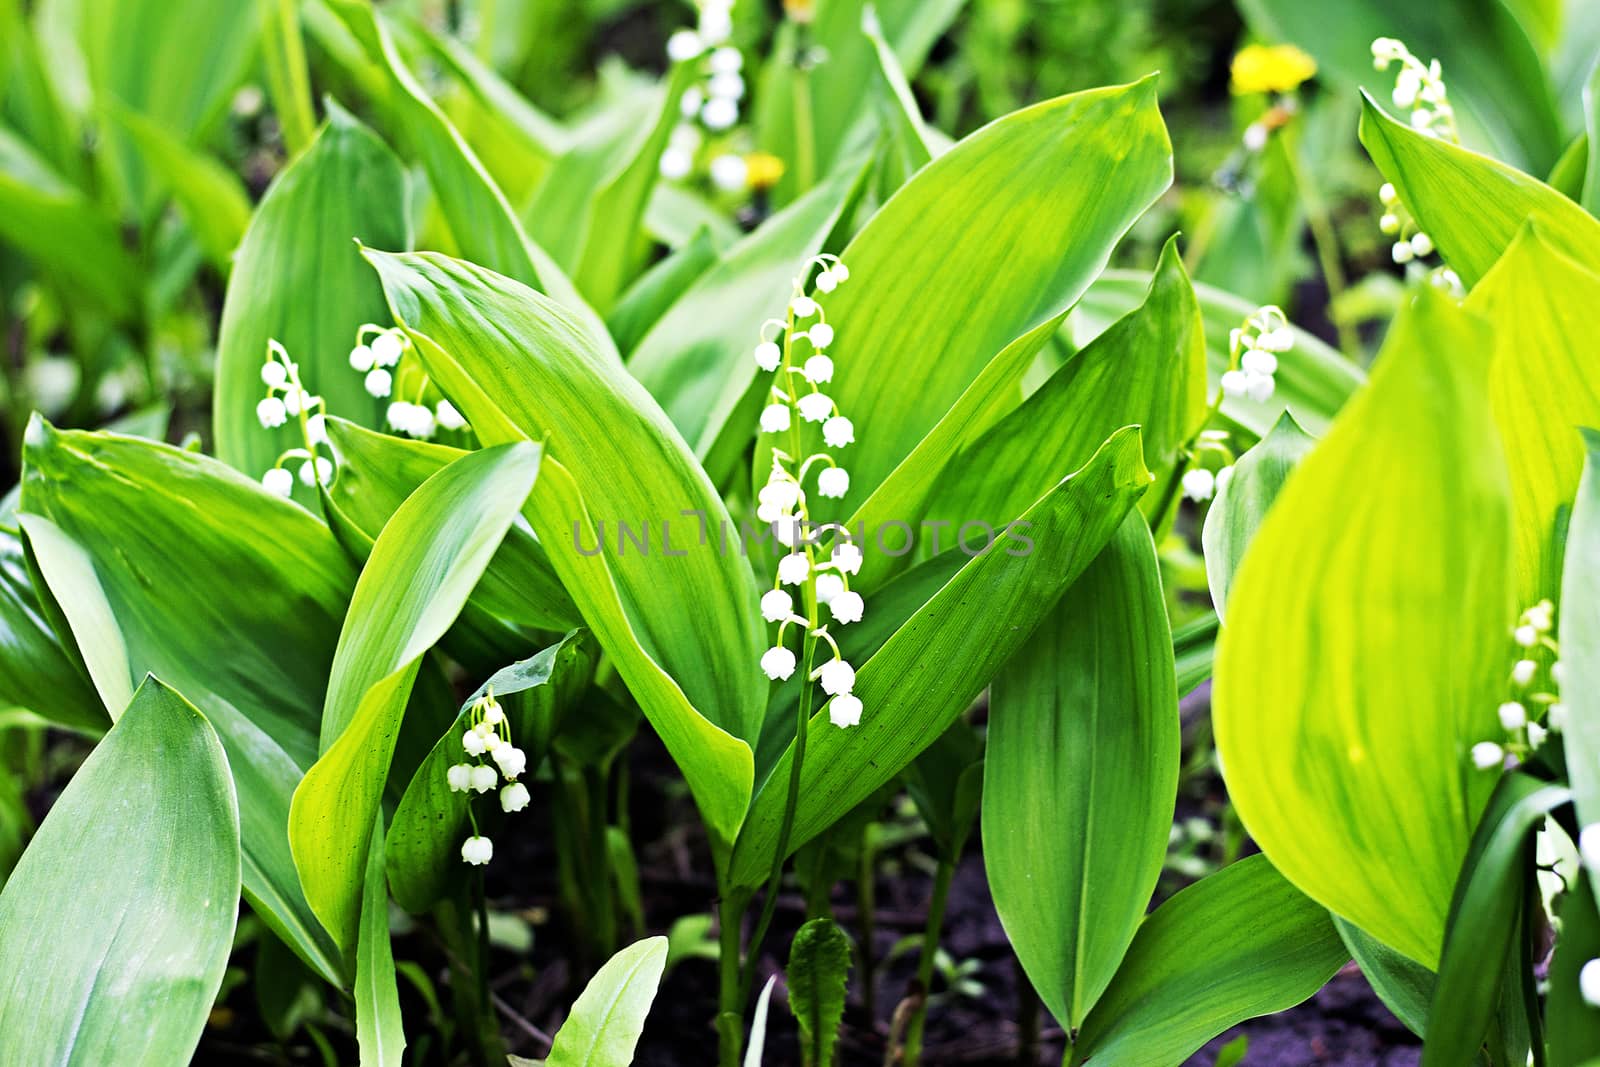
<point x="488" y="731"/>
<point x="287" y="397"/>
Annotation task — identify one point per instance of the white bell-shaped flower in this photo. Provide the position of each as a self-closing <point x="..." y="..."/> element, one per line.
<point x="1277" y="340"/>
<point x="803" y="306"/>
<point x="768" y="355"/>
<point x="1258" y="361"/>
<point x="794" y="569"/>
<point x="1235" y="383"/>
<point x="1537" y="734"/>
<point x="1522" y="672"/>
<point x="684" y="45"/>
<point x="833" y="482"/>
<point x="675" y="163"/>
<point x="778" y="663"/>
<point x="788" y="529"/>
<point x="847" y="607"/>
<point x="827" y="282"/>
<point x="483" y="778"/>
<point x="460" y="777"/>
<point x="729" y="172"/>
<point x="477" y="850"/>
<point x="1486" y="755"/>
<point x="511" y="760"/>
<point x="1389" y="223"/>
<point x="820" y="335"/>
<point x="1589" y="983"/>
<point x="317" y="429"/>
<point x="815" y="407"/>
<point x="378" y="382"/>
<point x="781" y="493"/>
<point x="1421" y="245"/>
<point x="776" y="418"/>
<point x="1513" y="716"/>
<point x="387" y="348"/>
<point x="514" y="797"/>
<point x="1259" y="387"/>
<point x="1526" y="636"/>
<point x="719" y="113"/>
<point x="818" y="370"/>
<point x="845" y="711"/>
<point x="321" y="472"/>
<point x="1402" y="253"/>
<point x="274" y="374"/>
<point x="448" y="417"/>
<point x="1589" y="846"/>
<point x="838" y="432"/>
<point x="1387" y="194"/>
<point x="271" y="411"/>
<point x="278" y="482"/>
<point x="847" y="557"/>
<point x="493" y="714"/>
<point x="727" y="84"/>
<point x="727" y="60"/>
<point x="837" y="677"/>
<point x="472" y="741"/>
<point x="1199" y="484"/>
<point x="829" y="585"/>
<point x="776" y="605"/>
<point x="361" y="359"/>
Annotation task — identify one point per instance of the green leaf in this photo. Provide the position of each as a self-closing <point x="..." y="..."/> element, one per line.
<point x="347" y="185"/>
<point x="379" y="1032"/>
<point x="1497" y="83"/>
<point x="1543" y="383"/>
<point x="1238" y="511"/>
<point x="1000" y="234"/>
<point x="422" y="568"/>
<point x="1086" y="713"/>
<point x="1473" y="206"/>
<point x="518" y="366"/>
<point x="484" y="226"/>
<point x="1574" y="1023"/>
<point x="116" y="925"/>
<point x="1313" y="379"/>
<point x="35" y="671"/>
<point x="609" y="1014"/>
<point x="378" y="471"/>
<point x="696" y="359"/>
<point x="212" y="198"/>
<point x="1591" y="116"/>
<point x="424" y="841"/>
<point x="1404" y="986"/>
<point x="240" y="613"/>
<point x="1147" y="369"/>
<point x="1484" y="918"/>
<point x="1193" y="648"/>
<point x="1237" y="944"/>
<point x="649" y="298"/>
<point x="1580" y="642"/>
<point x="1351" y="604"/>
<point x="74" y="241"/>
<point x="946" y="784"/>
<point x="927" y="673"/>
<point x="819" y="961"/>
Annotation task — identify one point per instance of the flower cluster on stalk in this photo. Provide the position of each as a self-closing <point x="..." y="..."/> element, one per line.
<point x="1253" y="351"/>
<point x="376" y="356"/>
<point x="1529" y="694"/>
<point x="1419" y="87"/>
<point x="796" y="397"/>
<point x="488" y="733"/>
<point x="287" y="397"/>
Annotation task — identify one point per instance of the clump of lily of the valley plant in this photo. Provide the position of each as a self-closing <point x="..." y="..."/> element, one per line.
<point x="488" y="733"/>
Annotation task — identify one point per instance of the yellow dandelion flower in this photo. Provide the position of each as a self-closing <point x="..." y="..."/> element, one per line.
<point x="763" y="169"/>
<point x="1277" y="68"/>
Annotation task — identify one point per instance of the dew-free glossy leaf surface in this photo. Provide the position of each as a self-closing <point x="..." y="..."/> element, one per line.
<point x="930" y="669"/>
<point x="1404" y="986"/>
<point x="116" y="925"/>
<point x="1380" y="580"/>
<point x="35" y="671"/>
<point x="1237" y="944"/>
<point x="421" y="571"/>
<point x="1085" y="714"/>
<point x="609" y="1014"/>
<point x="380" y="1034"/>
<point x="299" y="279"/>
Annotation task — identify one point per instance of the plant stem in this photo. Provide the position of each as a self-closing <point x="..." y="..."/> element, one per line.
<point x="287" y="77"/>
<point x="1028" y="1019"/>
<point x="866" y="920"/>
<point x="805" y="137"/>
<point x="730" y="1005"/>
<point x="602" y="922"/>
<point x="1326" y="242"/>
<point x="930" y="949"/>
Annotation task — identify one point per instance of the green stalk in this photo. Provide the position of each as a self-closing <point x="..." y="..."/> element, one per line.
<point x="288" y="79"/>
<point x="730" y="1006"/>
<point x="602" y="918"/>
<point x="866" y="907"/>
<point x="1326" y="242"/>
<point x="805" y="135"/>
<point x="930" y="948"/>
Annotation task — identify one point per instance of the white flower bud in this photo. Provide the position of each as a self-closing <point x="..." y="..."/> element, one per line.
<point x="826" y="282"/>
<point x="1258" y="361"/>
<point x="1389" y="223"/>
<point x="787" y="529"/>
<point x="278" y="482"/>
<point x="834" y="482"/>
<point x="781" y="494"/>
<point x="1536" y="734"/>
<point x="776" y="605"/>
<point x="837" y="677"/>
<point x="689" y="105"/>
<point x="838" y="432"/>
<point x="1255" y="137"/>
<point x="1279" y="340"/>
<point x="726" y="60"/>
<point x="841" y="273"/>
<point x="1386" y="194"/>
<point x="684" y="46"/>
<point x="271" y="412"/>
<point x="492" y="741"/>
<point x="729" y="86"/>
<point x="386" y="348"/>
<point x="846" y="557"/>
<point x="819" y="368"/>
<point x="675" y="163"/>
<point x="322" y="472"/>
<point x="1421" y="245"/>
<point x="472" y="741"/>
<point x="768" y="355"/>
<point x="514" y="797"/>
<point x="803" y="307"/>
<point x="1486" y="755"/>
<point x="448" y="417"/>
<point x="274" y="374"/>
<point x="829" y="585"/>
<point x="361" y="359"/>
<point x="483" y="778"/>
<point x="1401" y="252"/>
<point x="1422" y="120"/>
<point x="794" y="569"/>
<point x="1557" y="716"/>
<point x="730" y="172"/>
<point x="847" y="607"/>
<point x="719" y="113"/>
<point x="845" y="711"/>
<point x="493" y="714"/>
<point x="1541" y="616"/>
<point x="1526" y="636"/>
<point x="511" y="760"/>
<point x="1199" y="484"/>
<point x="820" y="335"/>
<point x="814" y="407"/>
<point x="1234" y="383"/>
<point x="1589" y="846"/>
<point x="1522" y="672"/>
<point x="775" y="418"/>
<point x="378" y="382"/>
<point x="1589" y="983"/>
<point x="1259" y="387"/>
<point x="317" y="429"/>
<point x="477" y="850"/>
<point x="778" y="663"/>
<point x="460" y="777"/>
<point x="1513" y="716"/>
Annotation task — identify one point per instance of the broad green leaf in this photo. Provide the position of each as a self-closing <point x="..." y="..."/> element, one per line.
<point x="1544" y="387"/>
<point x="1147" y="370"/>
<point x="378" y="471"/>
<point x="1591" y="115"/>
<point x="680" y="621"/>
<point x="696" y="360"/>
<point x="484" y="226"/>
<point x="1086" y="713"/>
<point x="1193" y="648"/>
<point x="998" y="235"/>
<point x="946" y="784"/>
<point x="212" y="198"/>
<point x="1485" y="919"/>
<point x="1237" y="944"/>
<point x="1573" y="1023"/>
<point x="1580" y="642"/>
<point x="1404" y="986"/>
<point x="283" y="59"/>
<point x="240" y="613"/>
<point x="916" y="143"/>
<point x="29" y="102"/>
<point x="649" y="298"/>
<point x="424" y="841"/>
<point x="927" y="673"/>
<point x="116" y="925"/>
<point x="75" y="243"/>
<point x="609" y="1014"/>
<point x="1473" y="206"/>
<point x="299" y="280"/>
<point x="1497" y="83"/>
<point x="422" y="568"/>
<point x="1237" y="512"/>
<point x="379" y="1033"/>
<point x="1352" y="603"/>
<point x="819" y="961"/>
<point x="35" y="671"/>
<point x="1313" y="379"/>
